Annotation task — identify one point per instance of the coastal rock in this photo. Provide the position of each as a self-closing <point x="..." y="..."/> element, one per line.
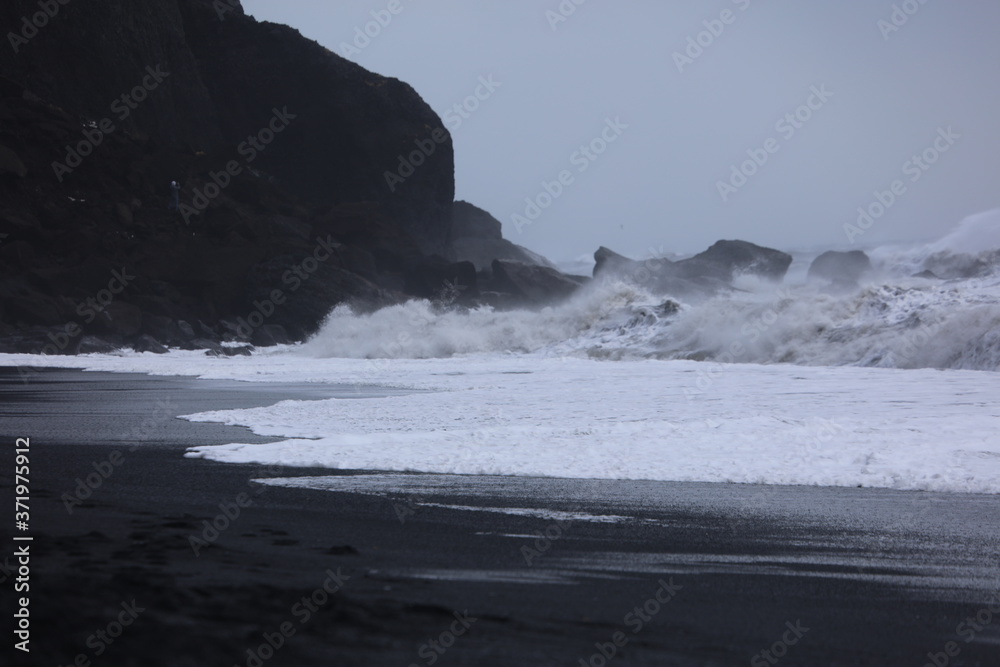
<point x="305" y="297"/>
<point x="317" y="191"/>
<point x="99" y="345"/>
<point x="21" y="304"/>
<point x="10" y="164"/>
<point x="951" y="266"/>
<point x="270" y="335"/>
<point x="329" y="210"/>
<point x="656" y="275"/>
<point x="840" y="267"/>
<point x="698" y="277"/>
<point x="121" y="319"/>
<point x="187" y="331"/>
<point x="163" y="329"/>
<point x="476" y="236"/>
<point x="213" y="83"/>
<point x="727" y="259"/>
<point x="206" y="344"/>
<point x="608" y="261"/>
<point x="146" y="343"/>
<point x="443" y="281"/>
<point x="533" y="284"/>
<point x="469" y="221"/>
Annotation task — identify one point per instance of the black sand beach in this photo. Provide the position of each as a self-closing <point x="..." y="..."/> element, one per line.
<point x="694" y="574"/>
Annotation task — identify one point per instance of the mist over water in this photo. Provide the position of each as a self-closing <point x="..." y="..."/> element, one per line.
<point x="893" y="320"/>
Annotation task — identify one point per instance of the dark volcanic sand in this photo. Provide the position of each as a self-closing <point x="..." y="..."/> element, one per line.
<point x="877" y="577"/>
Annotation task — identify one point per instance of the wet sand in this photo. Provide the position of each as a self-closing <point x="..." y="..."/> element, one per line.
<point x="432" y="569"/>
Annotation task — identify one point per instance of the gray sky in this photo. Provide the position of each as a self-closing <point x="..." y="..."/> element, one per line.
<point x="893" y="94"/>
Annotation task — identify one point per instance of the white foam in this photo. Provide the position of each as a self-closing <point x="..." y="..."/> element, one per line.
<point x="682" y="421"/>
<point x="902" y="324"/>
<point x="894" y="320"/>
<point x="524" y="393"/>
<point x="580" y="418"/>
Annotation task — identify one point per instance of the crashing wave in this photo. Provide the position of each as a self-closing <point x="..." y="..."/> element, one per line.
<point x="895" y="320"/>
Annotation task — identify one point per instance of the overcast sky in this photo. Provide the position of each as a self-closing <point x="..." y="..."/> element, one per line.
<point x="880" y="94"/>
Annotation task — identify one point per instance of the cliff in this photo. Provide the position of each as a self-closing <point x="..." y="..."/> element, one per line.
<point x="283" y="152"/>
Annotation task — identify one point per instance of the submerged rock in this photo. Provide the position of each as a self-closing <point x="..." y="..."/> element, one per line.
<point x="697" y="277"/>
<point x="476" y="236"/>
<point x="726" y="260"/>
<point x="841" y="268"/>
<point x="533" y="284"/>
<point x="608" y="261"/>
<point x="951" y="266"/>
<point x="146" y="343"/>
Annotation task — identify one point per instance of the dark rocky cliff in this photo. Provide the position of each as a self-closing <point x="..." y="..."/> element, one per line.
<point x="306" y="215"/>
<point x="227" y="73"/>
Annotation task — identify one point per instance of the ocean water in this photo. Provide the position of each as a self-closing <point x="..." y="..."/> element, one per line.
<point x="893" y="384"/>
<point x="893" y="319"/>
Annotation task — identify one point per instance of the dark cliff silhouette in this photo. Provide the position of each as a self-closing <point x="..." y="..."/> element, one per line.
<point x="283" y="151"/>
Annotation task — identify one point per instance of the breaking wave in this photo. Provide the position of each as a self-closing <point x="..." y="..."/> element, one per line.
<point x="950" y="319"/>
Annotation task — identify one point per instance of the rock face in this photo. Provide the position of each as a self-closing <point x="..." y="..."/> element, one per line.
<point x="536" y="285"/>
<point x="845" y="268"/>
<point x="299" y="185"/>
<point x="727" y="259"/>
<point x="476" y="237"/>
<point x="700" y="276"/>
<point x="608" y="261"/>
<point x="219" y="77"/>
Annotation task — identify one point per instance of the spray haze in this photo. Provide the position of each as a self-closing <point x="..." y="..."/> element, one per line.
<point x="893" y="319"/>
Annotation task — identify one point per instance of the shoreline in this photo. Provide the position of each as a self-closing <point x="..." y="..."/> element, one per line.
<point x="409" y="559"/>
